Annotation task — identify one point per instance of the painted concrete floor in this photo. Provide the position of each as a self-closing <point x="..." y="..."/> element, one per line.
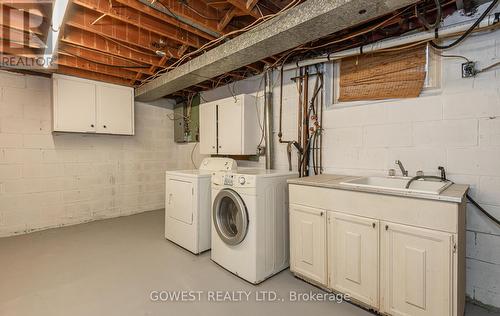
<point x="111" y="267"/>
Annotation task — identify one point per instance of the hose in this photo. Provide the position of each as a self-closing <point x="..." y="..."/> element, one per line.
<point x="496" y="221"/>
<point x="466" y="33"/>
<point x="421" y="177"/>
<point x="491" y="217"/>
<point x="426" y="23"/>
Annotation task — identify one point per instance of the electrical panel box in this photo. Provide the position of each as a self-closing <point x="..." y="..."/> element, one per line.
<point x="186" y="121"/>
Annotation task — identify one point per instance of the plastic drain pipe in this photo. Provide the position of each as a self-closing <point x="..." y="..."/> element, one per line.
<point x="446" y="31"/>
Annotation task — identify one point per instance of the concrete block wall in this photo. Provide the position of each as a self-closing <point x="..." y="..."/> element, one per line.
<point x="54" y="179"/>
<point x="456" y="126"/>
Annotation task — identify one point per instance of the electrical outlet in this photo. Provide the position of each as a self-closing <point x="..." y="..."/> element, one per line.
<point x="469" y="69"/>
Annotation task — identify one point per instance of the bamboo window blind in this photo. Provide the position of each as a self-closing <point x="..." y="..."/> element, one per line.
<point x="384" y="75"/>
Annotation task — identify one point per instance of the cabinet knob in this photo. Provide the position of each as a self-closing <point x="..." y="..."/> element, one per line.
<point x="220" y="146"/>
<point x="91" y="125"/>
<point x="374" y="225"/>
<point x="386" y="227"/>
<point x="213" y="146"/>
<point x="104" y="126"/>
<point x="321" y="213"/>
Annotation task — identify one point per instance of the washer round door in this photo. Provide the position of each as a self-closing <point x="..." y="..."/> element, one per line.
<point x="230" y="217"/>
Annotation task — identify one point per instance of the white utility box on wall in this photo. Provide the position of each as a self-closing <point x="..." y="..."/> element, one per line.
<point x="230" y="126"/>
<point x="87" y="106"/>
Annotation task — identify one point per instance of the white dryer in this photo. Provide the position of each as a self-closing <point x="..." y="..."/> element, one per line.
<point x="250" y="235"/>
<point x="188" y="204"/>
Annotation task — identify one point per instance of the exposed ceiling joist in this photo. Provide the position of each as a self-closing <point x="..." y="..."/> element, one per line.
<point x="306" y="22"/>
<point x="129" y="35"/>
<point x="157" y="11"/>
<point x="106" y="46"/>
<point x="136" y="18"/>
<point x="76" y="72"/>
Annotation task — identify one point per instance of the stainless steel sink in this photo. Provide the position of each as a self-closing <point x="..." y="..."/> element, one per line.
<point x="399" y="184"/>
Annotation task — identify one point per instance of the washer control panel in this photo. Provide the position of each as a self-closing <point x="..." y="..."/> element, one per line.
<point x="233" y="180"/>
<point x="242" y="180"/>
<point x="228" y="179"/>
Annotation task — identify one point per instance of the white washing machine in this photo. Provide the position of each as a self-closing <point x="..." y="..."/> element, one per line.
<point x="250" y="235"/>
<point x="188" y="204"/>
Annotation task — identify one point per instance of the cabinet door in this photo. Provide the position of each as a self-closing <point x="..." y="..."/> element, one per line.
<point x="416" y="271"/>
<point x="208" y="128"/>
<point x="353" y="256"/>
<point x="308" y="242"/>
<point x="229" y="127"/>
<point x="115" y="110"/>
<point x="74" y="104"/>
<point x="179" y="200"/>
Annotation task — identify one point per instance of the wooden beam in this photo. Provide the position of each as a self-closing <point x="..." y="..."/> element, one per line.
<point x="136" y="18"/>
<point x="22" y="21"/>
<point x="136" y="5"/>
<point x="151" y="70"/>
<point x="129" y="35"/>
<point x="64" y="70"/>
<point x="230" y="14"/>
<point x="191" y="10"/>
<point x="96" y="42"/>
<point x="251" y="4"/>
<point x="248" y="8"/>
<point x="18" y="38"/>
<point x="7" y="48"/>
<point x="99" y="58"/>
<point x="78" y="63"/>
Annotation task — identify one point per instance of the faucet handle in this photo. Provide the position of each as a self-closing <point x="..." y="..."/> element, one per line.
<point x="420" y="173"/>
<point x="392" y="172"/>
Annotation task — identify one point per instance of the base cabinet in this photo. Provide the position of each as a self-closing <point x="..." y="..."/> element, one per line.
<point x="416" y="271"/>
<point x="308" y="243"/>
<point x="396" y="255"/>
<point x="353" y="257"/>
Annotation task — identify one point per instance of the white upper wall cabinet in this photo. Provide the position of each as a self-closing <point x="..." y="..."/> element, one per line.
<point x="208" y="128"/>
<point x="229" y="126"/>
<point x="74" y="103"/>
<point x="87" y="106"/>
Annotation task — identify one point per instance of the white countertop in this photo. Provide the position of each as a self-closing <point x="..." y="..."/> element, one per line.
<point x="454" y="193"/>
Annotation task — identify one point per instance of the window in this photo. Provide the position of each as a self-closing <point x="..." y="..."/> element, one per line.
<point x="368" y="85"/>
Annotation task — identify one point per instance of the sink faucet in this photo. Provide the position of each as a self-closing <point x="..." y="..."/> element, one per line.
<point x="403" y="170"/>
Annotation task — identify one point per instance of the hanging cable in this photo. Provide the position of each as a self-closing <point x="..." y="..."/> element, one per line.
<point x="468" y="32"/>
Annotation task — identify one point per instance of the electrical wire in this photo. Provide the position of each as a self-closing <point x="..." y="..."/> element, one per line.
<point x="468" y="32"/>
<point x="489" y="67"/>
<point x="192" y="153"/>
<point x="217" y="40"/>
<point x="453" y="56"/>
